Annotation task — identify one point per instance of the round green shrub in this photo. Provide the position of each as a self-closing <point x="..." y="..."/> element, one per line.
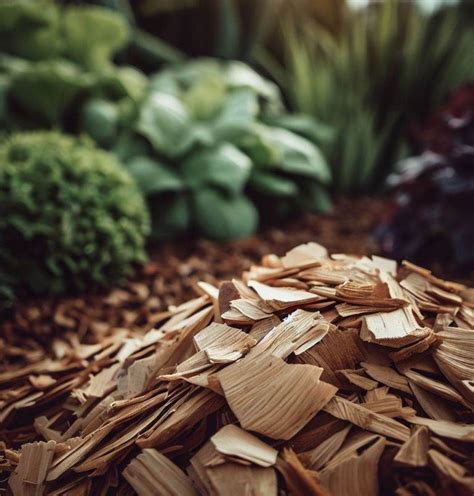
<point x="71" y="219"/>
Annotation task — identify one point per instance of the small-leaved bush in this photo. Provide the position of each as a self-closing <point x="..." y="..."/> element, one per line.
<point x="72" y="218"/>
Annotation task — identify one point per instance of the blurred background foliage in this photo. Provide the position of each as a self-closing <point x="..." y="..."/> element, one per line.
<point x="360" y="78"/>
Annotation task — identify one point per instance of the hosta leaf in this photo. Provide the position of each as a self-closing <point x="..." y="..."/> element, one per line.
<point x="152" y="176"/>
<point x="93" y="34"/>
<point x="205" y="96"/>
<point x="222" y="217"/>
<point x="239" y="111"/>
<point x="170" y="215"/>
<point x="256" y="143"/>
<point x="130" y="144"/>
<point x="270" y="184"/>
<point x="47" y="88"/>
<point x="297" y="155"/>
<point x="165" y="82"/>
<point x="164" y="120"/>
<point x="240" y="75"/>
<point x="30" y="29"/>
<point x="224" y="166"/>
<point x="99" y="119"/>
<point x="303" y="124"/>
<point x="124" y="81"/>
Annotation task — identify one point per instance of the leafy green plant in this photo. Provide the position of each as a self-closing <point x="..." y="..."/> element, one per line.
<point x="387" y="65"/>
<point x="210" y="144"/>
<point x="52" y="57"/>
<point x="74" y="217"/>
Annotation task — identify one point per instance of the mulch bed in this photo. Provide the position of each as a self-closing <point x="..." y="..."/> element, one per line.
<point x="170" y="278"/>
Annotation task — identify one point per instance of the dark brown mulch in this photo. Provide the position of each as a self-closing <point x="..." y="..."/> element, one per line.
<point x="172" y="273"/>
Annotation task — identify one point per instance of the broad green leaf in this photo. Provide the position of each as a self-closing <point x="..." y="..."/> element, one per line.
<point x="222" y="217"/>
<point x="270" y="184"/>
<point x="240" y="75"/>
<point x="239" y="111"/>
<point x="205" y="96"/>
<point x="30" y="28"/>
<point x="297" y="155"/>
<point x="152" y="176"/>
<point x="99" y="119"/>
<point x="124" y="81"/>
<point x="224" y="166"/>
<point x="165" y="82"/>
<point x="92" y="35"/>
<point x="170" y="214"/>
<point x="129" y="145"/>
<point x="256" y="143"/>
<point x="47" y="88"/>
<point x="303" y="124"/>
<point x="164" y="120"/>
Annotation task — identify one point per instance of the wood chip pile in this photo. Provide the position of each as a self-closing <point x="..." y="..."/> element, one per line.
<point x="311" y="375"/>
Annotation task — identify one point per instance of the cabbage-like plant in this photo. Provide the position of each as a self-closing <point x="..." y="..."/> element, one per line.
<point x="72" y="217"/>
<point x="210" y="145"/>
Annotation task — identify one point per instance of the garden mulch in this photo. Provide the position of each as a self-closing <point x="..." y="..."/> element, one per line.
<point x="171" y="276"/>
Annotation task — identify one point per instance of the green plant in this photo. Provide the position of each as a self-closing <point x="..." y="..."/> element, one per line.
<point x="210" y="144"/>
<point x="73" y="218"/>
<point x="388" y="65"/>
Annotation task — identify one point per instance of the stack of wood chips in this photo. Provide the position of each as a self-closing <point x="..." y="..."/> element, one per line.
<point x="310" y="375"/>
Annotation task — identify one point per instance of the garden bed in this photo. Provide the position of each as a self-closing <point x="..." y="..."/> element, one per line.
<point x="171" y="275"/>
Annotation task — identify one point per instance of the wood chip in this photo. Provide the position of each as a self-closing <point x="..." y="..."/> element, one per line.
<point x="234" y="441"/>
<point x="152" y="473"/>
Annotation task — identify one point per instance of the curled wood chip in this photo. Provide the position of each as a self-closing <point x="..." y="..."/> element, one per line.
<point x="392" y="329"/>
<point x="234" y="441"/>
<point x="223" y="344"/>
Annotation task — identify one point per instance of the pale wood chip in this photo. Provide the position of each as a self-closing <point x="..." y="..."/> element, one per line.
<point x="230" y="478"/>
<point x="356" y="474"/>
<point x="449" y="471"/>
<point x="273" y="398"/>
<point x="366" y="419"/>
<point x="152" y="473"/>
<point x="233" y="441"/>
<point x="414" y="452"/>
<point x="223" y="344"/>
<point x="30" y="474"/>
<point x="444" y="428"/>
<point x="393" y="329"/>
<point x="303" y="254"/>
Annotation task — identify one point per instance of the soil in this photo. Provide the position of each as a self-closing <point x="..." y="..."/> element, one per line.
<point x="171" y="275"/>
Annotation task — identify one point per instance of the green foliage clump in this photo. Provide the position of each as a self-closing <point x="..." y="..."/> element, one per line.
<point x="213" y="149"/>
<point x="72" y="217"/>
<point x="209" y="143"/>
<point x="53" y="56"/>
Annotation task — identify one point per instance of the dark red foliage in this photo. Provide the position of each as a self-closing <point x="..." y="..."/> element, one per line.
<point x="431" y="218"/>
